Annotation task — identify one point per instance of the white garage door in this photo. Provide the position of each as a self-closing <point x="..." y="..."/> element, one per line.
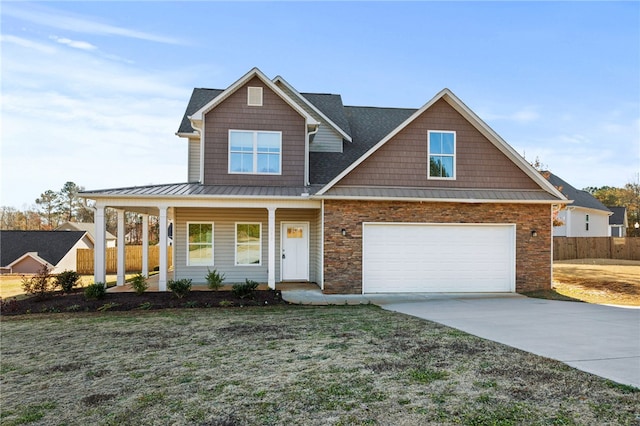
<point x="400" y="257"/>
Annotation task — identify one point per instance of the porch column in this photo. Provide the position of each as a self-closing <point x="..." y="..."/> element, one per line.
<point x="162" y="224"/>
<point x="99" y="249"/>
<point x="271" y="277"/>
<point x="121" y="249"/>
<point x="145" y="245"/>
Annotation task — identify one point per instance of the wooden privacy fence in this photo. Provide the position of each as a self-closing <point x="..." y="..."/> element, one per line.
<point x="133" y="259"/>
<point x="567" y="248"/>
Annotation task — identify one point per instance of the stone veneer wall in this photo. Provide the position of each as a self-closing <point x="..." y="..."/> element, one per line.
<point x="343" y="254"/>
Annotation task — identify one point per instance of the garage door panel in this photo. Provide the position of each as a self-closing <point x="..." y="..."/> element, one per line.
<point x="436" y="257"/>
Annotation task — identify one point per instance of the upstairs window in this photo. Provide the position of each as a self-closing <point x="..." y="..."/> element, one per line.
<point x="442" y="154"/>
<point x="254" y="96"/>
<point x="586" y="223"/>
<point x="255" y="152"/>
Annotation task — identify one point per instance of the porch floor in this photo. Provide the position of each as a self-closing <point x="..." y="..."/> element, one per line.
<point x="153" y="285"/>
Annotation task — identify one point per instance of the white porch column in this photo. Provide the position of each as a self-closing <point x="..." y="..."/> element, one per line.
<point x="164" y="242"/>
<point x="121" y="247"/>
<point x="271" y="278"/>
<point x="145" y="245"/>
<point x="100" y="247"/>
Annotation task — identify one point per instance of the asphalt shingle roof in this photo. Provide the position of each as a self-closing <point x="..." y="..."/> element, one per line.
<point x="580" y="198"/>
<point x="617" y="218"/>
<point x="199" y="98"/>
<point x="331" y="106"/>
<point x="52" y="246"/>
<point x="368" y="127"/>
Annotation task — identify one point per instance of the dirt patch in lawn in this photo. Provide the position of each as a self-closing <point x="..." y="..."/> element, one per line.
<point x="127" y="301"/>
<point x="286" y="365"/>
<point x="604" y="281"/>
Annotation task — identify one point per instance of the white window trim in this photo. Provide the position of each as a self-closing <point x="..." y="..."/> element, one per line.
<point x="254" y="153"/>
<point x="255" y="91"/>
<point x="235" y="245"/>
<point x="212" y="243"/>
<point x="455" y="155"/>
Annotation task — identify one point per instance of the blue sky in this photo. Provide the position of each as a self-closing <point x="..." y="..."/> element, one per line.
<point x="93" y="92"/>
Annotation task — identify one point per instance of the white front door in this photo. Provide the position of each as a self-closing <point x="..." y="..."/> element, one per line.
<point x="295" y="251"/>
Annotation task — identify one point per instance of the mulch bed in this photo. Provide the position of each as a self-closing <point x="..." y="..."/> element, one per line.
<point x="76" y="302"/>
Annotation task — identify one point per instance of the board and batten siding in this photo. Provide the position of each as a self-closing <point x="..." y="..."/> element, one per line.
<point x="224" y="242"/>
<point x="194" y="160"/>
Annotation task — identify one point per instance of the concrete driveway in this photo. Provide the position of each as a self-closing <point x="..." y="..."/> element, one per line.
<point x="601" y="340"/>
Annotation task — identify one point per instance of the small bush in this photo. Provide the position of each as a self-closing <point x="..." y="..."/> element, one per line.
<point x="95" y="291"/>
<point x="214" y="279"/>
<point x="139" y="284"/>
<point x="245" y="289"/>
<point x="39" y="285"/>
<point x="180" y="287"/>
<point x="67" y="280"/>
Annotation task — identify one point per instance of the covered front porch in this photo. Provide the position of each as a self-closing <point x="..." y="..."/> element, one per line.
<point x="270" y="241"/>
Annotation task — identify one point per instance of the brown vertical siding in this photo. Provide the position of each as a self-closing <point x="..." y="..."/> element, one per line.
<point x="343" y="254"/>
<point x="403" y="161"/>
<point x="274" y="115"/>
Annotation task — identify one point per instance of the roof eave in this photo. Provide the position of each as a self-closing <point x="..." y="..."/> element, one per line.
<point x="439" y="200"/>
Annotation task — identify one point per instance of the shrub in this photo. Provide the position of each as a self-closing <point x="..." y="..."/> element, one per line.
<point x="139" y="284"/>
<point x="39" y="285"/>
<point x="67" y="280"/>
<point x="245" y="289"/>
<point x="180" y="287"/>
<point x="214" y="279"/>
<point x="95" y="291"/>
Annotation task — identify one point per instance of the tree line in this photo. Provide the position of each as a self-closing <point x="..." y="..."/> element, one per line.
<point x="54" y="208"/>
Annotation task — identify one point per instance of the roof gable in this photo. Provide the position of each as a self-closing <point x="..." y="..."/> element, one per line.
<point x="475" y="121"/>
<point x="51" y="246"/>
<point x="197" y="117"/>
<point x="619" y="216"/>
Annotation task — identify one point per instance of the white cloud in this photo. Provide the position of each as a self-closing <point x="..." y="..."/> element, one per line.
<point x="28" y="44"/>
<point x="82" y="45"/>
<point x="523" y="115"/>
<point x="53" y="18"/>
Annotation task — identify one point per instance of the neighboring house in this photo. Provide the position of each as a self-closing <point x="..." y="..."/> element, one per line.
<point x="618" y="222"/>
<point x="287" y="186"/>
<point x="585" y="217"/>
<point x="89" y="228"/>
<point x="24" y="252"/>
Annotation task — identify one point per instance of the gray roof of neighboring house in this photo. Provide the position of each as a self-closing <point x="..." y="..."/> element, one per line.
<point x="618" y="216"/>
<point x="51" y="246"/>
<point x="580" y="198"/>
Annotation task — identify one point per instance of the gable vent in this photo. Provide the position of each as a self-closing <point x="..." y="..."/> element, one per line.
<point x="254" y="96"/>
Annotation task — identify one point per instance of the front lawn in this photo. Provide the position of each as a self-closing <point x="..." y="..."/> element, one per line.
<point x="285" y="365"/>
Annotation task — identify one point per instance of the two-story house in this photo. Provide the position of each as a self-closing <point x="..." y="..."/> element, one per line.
<point x="288" y="186"/>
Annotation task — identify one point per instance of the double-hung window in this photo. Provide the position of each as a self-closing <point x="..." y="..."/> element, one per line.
<point x="248" y="244"/>
<point x="255" y="152"/>
<point x="200" y="244"/>
<point x="442" y="154"/>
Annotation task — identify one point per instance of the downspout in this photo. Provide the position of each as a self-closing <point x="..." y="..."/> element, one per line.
<point x="306" y="153"/>
<point x="199" y="130"/>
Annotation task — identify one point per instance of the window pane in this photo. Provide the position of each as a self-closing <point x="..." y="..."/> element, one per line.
<point x="200" y="233"/>
<point x="435" y="143"/>
<point x="248" y="232"/>
<point x="200" y="254"/>
<point x="447" y="166"/>
<point x="269" y="142"/>
<point x="447" y="143"/>
<point x="241" y="162"/>
<point x="248" y="254"/>
<point x="268" y="163"/>
<point x="241" y="141"/>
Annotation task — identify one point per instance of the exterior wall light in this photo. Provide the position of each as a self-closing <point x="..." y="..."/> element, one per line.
<point x="534" y="233"/>
<point x="343" y="232"/>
